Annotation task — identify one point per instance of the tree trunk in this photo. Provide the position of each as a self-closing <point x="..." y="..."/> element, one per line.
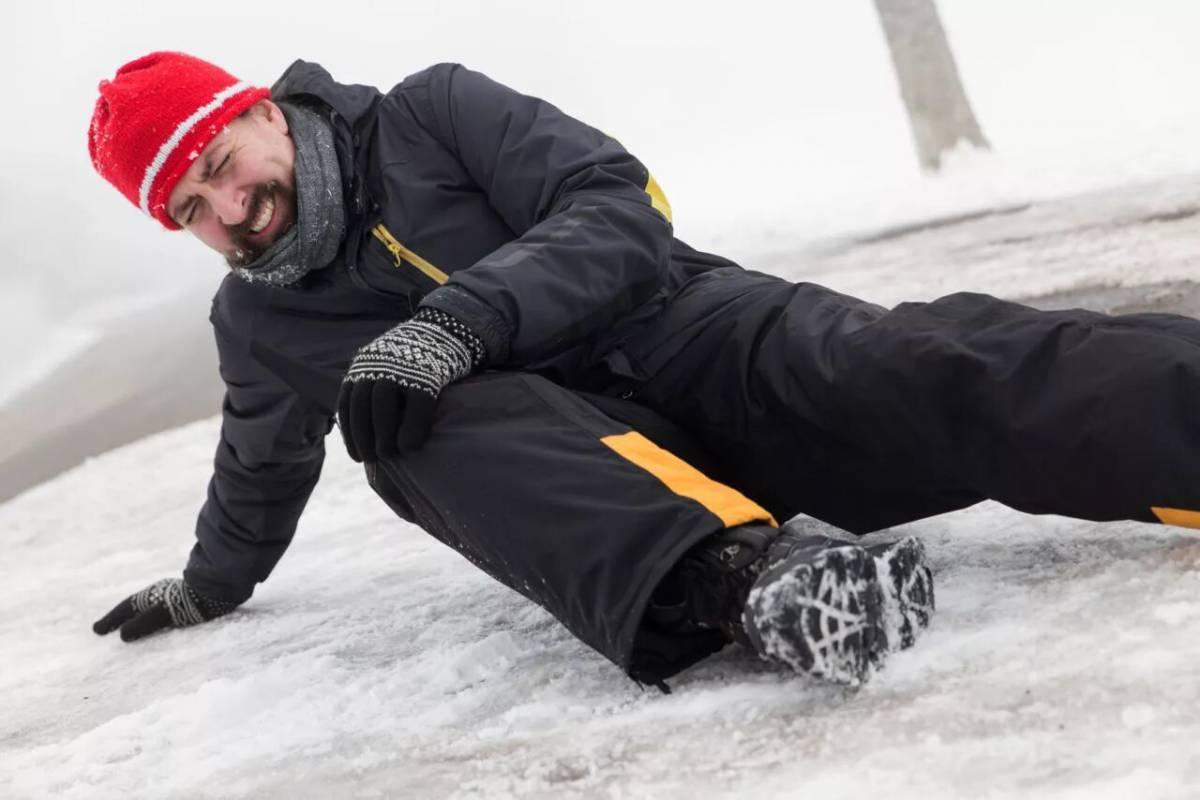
<point x="938" y="110"/>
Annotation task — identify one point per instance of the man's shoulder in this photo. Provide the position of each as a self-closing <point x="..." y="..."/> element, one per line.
<point x="431" y="74"/>
<point x="251" y="317"/>
<point x="236" y="302"/>
<point x="309" y="79"/>
<point x="243" y="306"/>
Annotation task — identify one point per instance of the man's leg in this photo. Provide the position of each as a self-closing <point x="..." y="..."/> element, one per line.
<point x="864" y="417"/>
<point x="572" y="509"/>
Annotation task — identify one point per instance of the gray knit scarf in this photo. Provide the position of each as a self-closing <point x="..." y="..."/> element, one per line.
<point x="314" y="240"/>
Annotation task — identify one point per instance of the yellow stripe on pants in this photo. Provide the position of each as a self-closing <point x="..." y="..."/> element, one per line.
<point x="1177" y="516"/>
<point x="730" y="505"/>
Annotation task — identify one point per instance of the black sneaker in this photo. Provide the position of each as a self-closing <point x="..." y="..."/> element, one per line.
<point x="884" y="592"/>
<point x="905" y="577"/>
<point x="820" y="613"/>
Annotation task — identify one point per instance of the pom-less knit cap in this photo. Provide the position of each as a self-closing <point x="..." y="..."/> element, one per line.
<point x="155" y="118"/>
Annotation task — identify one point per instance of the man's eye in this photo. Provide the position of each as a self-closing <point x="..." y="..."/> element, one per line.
<point x="221" y="166"/>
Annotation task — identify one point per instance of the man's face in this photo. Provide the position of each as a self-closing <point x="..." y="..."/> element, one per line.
<point x="239" y="195"/>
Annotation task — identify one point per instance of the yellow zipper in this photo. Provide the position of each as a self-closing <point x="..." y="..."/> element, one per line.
<point x="402" y="254"/>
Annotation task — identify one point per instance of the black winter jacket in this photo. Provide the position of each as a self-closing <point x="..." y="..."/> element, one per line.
<point x="539" y="232"/>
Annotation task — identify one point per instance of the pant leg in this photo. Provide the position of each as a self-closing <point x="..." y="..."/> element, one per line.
<point x="565" y="505"/>
<point x="866" y="417"/>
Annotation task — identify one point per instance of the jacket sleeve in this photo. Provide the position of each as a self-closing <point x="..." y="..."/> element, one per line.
<point x="593" y="230"/>
<point x="268" y="460"/>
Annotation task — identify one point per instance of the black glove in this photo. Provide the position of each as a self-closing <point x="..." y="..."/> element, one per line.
<point x="388" y="395"/>
<point x="170" y="603"/>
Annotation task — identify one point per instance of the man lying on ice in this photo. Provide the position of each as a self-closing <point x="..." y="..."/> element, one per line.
<point x="487" y="295"/>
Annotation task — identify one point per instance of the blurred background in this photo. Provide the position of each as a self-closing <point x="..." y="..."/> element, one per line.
<point x="770" y="125"/>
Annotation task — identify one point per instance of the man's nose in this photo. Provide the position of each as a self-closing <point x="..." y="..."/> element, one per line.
<point x="231" y="205"/>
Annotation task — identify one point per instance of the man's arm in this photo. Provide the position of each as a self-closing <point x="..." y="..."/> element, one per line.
<point x="594" y="230"/>
<point x="268" y="461"/>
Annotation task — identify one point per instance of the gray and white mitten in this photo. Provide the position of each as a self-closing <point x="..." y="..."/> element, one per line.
<point x="389" y="393"/>
<point x="169" y="603"/>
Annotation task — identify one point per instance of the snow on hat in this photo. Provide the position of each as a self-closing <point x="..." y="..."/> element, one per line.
<point x="155" y="117"/>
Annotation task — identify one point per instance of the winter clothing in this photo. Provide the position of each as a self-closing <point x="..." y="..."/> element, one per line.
<point x="867" y="418"/>
<point x="646" y="396"/>
<point x="313" y="241"/>
<point x="155" y="117"/>
<point x="387" y="398"/>
<point x="437" y="175"/>
<point x="565" y="505"/>
<point x="169" y="603"/>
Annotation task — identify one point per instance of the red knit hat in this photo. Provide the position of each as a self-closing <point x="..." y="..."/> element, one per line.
<point x="155" y="118"/>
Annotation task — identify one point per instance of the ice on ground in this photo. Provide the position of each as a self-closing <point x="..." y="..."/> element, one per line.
<point x="1062" y="663"/>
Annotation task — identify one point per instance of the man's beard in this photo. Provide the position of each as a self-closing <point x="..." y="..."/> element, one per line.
<point x="246" y="251"/>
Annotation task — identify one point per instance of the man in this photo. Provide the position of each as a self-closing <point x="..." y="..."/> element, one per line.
<point x="487" y="295"/>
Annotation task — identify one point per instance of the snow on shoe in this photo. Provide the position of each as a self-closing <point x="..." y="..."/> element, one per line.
<point x="821" y="615"/>
<point x="907" y="589"/>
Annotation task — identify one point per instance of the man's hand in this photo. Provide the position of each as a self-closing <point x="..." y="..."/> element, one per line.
<point x="388" y="395"/>
<point x="170" y="603"/>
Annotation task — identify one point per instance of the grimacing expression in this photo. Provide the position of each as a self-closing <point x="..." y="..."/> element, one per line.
<point x="239" y="195"/>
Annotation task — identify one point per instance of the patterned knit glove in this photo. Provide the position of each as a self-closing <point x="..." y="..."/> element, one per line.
<point x="170" y="603"/>
<point x="388" y="395"/>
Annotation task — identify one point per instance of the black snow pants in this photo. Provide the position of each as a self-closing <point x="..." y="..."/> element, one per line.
<point x="750" y="398"/>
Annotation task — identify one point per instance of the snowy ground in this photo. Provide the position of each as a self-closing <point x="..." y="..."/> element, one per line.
<point x="1130" y="236"/>
<point x="1064" y="662"/>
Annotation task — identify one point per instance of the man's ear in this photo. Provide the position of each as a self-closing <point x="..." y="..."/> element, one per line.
<point x="266" y="111"/>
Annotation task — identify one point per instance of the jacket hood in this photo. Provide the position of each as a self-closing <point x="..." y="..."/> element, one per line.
<point x="351" y="101"/>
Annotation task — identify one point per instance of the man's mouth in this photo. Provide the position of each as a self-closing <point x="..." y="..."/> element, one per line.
<point x="264" y="216"/>
<point x="273" y="208"/>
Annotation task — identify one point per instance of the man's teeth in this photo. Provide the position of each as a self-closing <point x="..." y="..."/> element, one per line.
<point x="264" y="216"/>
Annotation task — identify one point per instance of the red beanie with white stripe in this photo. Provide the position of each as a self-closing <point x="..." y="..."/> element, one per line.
<point x="155" y="118"/>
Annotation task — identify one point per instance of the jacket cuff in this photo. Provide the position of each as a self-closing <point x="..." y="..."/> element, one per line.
<point x="216" y="589"/>
<point x="482" y="320"/>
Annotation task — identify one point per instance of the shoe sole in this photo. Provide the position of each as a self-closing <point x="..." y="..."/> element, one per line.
<point x="909" y="599"/>
<point x="822" y="615"/>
